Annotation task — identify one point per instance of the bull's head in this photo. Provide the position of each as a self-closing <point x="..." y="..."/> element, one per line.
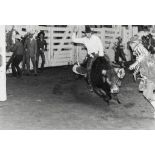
<point x="113" y="78"/>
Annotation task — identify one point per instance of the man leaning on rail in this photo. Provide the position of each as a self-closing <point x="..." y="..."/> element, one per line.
<point x="93" y="45"/>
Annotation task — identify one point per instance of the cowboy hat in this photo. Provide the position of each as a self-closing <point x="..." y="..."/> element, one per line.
<point x="41" y="32"/>
<point x="87" y="29"/>
<point x="119" y="38"/>
<point x="32" y="31"/>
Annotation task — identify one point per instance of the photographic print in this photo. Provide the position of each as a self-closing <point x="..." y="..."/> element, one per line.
<point x="77" y="77"/>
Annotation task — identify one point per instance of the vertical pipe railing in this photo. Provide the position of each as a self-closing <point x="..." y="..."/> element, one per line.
<point x="3" y="95"/>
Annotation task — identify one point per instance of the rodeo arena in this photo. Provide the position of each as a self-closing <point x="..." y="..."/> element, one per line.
<point x="77" y="77"/>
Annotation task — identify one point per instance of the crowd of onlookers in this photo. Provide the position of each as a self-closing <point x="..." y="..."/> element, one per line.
<point x="25" y="49"/>
<point x="33" y="45"/>
<point x="148" y="42"/>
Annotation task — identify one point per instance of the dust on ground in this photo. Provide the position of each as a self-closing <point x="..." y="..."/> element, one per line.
<point x="56" y="99"/>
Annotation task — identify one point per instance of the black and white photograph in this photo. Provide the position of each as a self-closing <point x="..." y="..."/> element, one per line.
<point x="77" y="77"/>
<point x="71" y="77"/>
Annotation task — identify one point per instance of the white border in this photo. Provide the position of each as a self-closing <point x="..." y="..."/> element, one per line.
<point x="98" y="12"/>
<point x="81" y="12"/>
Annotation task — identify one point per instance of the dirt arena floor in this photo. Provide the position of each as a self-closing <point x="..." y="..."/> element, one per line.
<point x="55" y="99"/>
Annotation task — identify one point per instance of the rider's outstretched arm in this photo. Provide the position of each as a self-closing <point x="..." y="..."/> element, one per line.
<point x="77" y="40"/>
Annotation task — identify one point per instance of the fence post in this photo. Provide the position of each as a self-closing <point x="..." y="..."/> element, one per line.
<point x="3" y="96"/>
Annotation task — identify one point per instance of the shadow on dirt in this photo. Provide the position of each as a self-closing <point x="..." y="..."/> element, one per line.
<point x="129" y="105"/>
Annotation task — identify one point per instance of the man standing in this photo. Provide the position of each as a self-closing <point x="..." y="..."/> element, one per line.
<point x="18" y="51"/>
<point x="93" y="45"/>
<point x="30" y="47"/>
<point x="24" y="55"/>
<point x="119" y="51"/>
<point x="151" y="44"/>
<point x="42" y="47"/>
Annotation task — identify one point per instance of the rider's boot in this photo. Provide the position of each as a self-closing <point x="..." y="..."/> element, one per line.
<point x="90" y="88"/>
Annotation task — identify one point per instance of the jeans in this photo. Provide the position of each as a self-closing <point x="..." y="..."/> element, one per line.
<point x="26" y="60"/>
<point x="16" y="71"/>
<point x="90" y="62"/>
<point x="119" y="54"/>
<point x="40" y="53"/>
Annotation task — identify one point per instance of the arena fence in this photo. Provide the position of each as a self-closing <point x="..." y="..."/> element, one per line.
<point x="60" y="49"/>
<point x="22" y="29"/>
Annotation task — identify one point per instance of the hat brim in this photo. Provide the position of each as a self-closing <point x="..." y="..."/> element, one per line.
<point x="88" y="32"/>
<point x="118" y="38"/>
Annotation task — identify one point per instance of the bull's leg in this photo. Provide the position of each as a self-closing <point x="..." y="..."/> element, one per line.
<point x="118" y="101"/>
<point x="115" y="97"/>
<point x="103" y="95"/>
<point x="107" y="101"/>
<point x="90" y="87"/>
<point x="107" y="98"/>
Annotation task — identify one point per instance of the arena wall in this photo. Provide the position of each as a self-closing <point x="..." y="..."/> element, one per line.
<point x="60" y="49"/>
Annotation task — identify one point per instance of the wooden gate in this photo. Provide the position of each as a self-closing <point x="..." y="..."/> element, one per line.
<point x="61" y="50"/>
<point x="22" y="29"/>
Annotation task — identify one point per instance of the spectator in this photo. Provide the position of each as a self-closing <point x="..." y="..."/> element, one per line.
<point x="18" y="51"/>
<point x="30" y="47"/>
<point x="151" y="44"/>
<point x="119" y="51"/>
<point x="131" y="52"/>
<point x="24" y="64"/>
<point x="42" y="47"/>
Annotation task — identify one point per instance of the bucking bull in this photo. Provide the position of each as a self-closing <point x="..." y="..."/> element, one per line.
<point x="105" y="77"/>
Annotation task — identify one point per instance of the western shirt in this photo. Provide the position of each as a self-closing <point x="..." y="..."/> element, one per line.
<point x="42" y="45"/>
<point x="31" y="46"/>
<point x="93" y="44"/>
<point x="18" y="48"/>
